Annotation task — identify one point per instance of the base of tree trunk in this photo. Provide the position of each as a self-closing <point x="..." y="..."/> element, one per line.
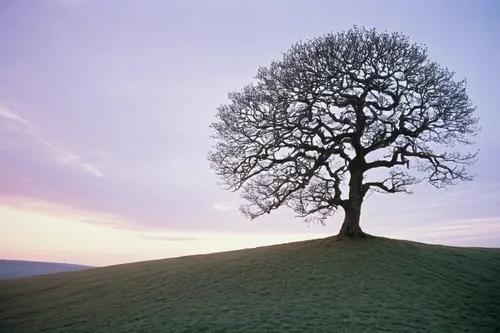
<point x="339" y="238"/>
<point x="349" y="231"/>
<point x="359" y="235"/>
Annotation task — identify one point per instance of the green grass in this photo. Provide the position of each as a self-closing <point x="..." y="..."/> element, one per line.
<point x="372" y="285"/>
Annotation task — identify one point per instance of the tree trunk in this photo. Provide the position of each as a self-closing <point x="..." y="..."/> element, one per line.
<point x="350" y="227"/>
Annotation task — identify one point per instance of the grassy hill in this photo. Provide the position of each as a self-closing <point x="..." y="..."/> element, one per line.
<point x="368" y="285"/>
<point x="18" y="268"/>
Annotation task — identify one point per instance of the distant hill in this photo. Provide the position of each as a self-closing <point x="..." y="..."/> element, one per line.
<point x="371" y="285"/>
<point x="18" y="268"/>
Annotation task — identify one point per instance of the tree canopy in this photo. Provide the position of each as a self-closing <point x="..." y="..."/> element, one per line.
<point x="312" y="128"/>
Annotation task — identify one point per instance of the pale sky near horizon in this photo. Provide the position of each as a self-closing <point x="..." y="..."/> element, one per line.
<point x="105" y="107"/>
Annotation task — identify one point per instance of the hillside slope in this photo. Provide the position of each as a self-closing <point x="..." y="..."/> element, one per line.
<point x="314" y="286"/>
<point x="19" y="268"/>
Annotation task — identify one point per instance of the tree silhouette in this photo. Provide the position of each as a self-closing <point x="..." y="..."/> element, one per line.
<point x="352" y="112"/>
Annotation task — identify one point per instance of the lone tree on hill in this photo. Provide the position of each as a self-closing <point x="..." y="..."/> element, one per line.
<point x="351" y="112"/>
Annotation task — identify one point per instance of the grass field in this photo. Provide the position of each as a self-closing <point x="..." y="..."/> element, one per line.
<point x="372" y="285"/>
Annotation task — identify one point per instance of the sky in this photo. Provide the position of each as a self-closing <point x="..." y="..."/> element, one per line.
<point x="105" y="107"/>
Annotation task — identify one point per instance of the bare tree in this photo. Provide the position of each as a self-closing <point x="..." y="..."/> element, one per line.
<point x="315" y="124"/>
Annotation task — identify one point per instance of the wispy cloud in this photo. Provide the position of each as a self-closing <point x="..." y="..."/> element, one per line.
<point x="57" y="151"/>
<point x="73" y="160"/>
<point x="225" y="206"/>
<point x="446" y="231"/>
<point x="9" y="115"/>
<point x="60" y="210"/>
<point x="169" y="238"/>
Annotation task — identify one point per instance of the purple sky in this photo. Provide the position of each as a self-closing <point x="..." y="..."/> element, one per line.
<point x="105" y="106"/>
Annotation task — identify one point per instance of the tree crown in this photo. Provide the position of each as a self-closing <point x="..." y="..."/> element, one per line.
<point x="340" y="106"/>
